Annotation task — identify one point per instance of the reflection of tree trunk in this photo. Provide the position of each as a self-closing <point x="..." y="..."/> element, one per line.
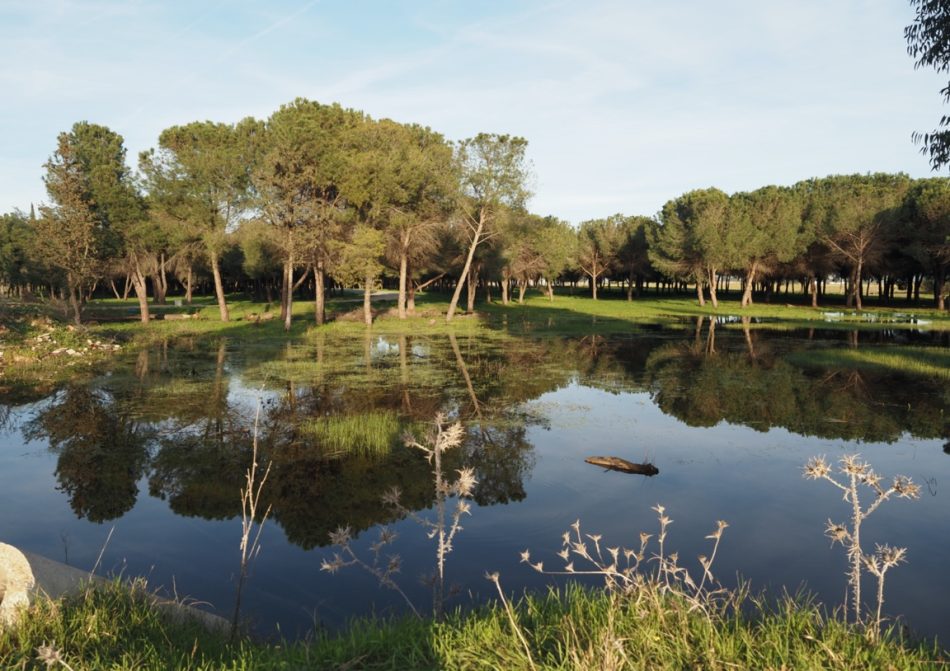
<point x="748" y="336"/>
<point x="853" y="338"/>
<point x="368" y="351"/>
<point x="141" y="364"/>
<point x="404" y="372"/>
<point x="699" y="330"/>
<point x="711" y="337"/>
<point x="468" y="380"/>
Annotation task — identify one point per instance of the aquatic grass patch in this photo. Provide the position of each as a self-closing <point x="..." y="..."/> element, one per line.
<point x="372" y="433"/>
<point x="907" y="359"/>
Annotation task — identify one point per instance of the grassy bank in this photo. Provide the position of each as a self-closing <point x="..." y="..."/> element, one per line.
<point x="114" y="628"/>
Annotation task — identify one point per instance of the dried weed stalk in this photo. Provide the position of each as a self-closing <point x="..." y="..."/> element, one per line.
<point x="624" y="570"/>
<point x="250" y="505"/>
<point x="443" y="528"/>
<point x="857" y="473"/>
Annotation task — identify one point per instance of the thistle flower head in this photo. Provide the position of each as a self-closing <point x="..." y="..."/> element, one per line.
<point x="852" y="465"/>
<point x="905" y="487"/>
<point x="392" y="496"/>
<point x="816" y="468"/>
<point x="465" y="485"/>
<point x="838" y="533"/>
<point x="341" y="536"/>
<point x="891" y="556"/>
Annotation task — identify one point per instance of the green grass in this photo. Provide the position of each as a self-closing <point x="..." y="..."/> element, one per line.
<point x="113" y="628"/>
<point x="917" y="361"/>
<point x="369" y="434"/>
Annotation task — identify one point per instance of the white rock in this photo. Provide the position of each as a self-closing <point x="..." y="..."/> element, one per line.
<point x="16" y="582"/>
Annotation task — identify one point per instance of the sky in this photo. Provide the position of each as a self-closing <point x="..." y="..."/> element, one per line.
<point x="625" y="104"/>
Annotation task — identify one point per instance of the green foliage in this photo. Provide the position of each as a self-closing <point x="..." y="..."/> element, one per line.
<point x="927" y="39"/>
<point x="113" y="627"/>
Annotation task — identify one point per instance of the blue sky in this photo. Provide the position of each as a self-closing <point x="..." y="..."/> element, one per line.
<point x="624" y="104"/>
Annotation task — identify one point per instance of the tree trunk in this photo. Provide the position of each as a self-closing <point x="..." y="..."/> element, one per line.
<point x="472" y="285"/>
<point x="319" y="302"/>
<point x="162" y="280"/>
<point x="550" y="290"/>
<point x="219" y="287"/>
<point x="813" y="289"/>
<point x="411" y="298"/>
<point x="403" y="274"/>
<point x="74" y="303"/>
<point x="749" y="280"/>
<point x="189" y="283"/>
<point x="141" y="290"/>
<point x="468" y="264"/>
<point x="856" y="285"/>
<point x="712" y="288"/>
<point x="939" y="278"/>
<point x="593" y="285"/>
<point x="127" y="287"/>
<point x="699" y="292"/>
<point x="521" y="289"/>
<point x="504" y="288"/>
<point x="115" y="289"/>
<point x="368" y="300"/>
<point x="287" y="308"/>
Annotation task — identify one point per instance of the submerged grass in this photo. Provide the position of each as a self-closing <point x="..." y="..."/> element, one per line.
<point x="575" y="628"/>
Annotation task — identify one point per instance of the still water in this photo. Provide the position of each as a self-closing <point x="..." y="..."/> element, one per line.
<point x="155" y="445"/>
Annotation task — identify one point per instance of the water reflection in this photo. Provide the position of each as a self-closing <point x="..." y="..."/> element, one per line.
<point x="336" y="411"/>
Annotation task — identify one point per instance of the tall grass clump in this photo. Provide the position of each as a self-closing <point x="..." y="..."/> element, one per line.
<point x="367" y="434"/>
<point x="443" y="528"/>
<point x="858" y="473"/>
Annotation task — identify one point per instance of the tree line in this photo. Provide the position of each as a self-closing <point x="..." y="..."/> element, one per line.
<point x="319" y="195"/>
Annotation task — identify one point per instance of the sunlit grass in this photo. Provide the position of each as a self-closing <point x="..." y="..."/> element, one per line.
<point x="368" y="434"/>
<point x="574" y="629"/>
<point x="919" y="361"/>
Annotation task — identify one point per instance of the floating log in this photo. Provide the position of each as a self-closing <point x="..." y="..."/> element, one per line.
<point x="618" y="464"/>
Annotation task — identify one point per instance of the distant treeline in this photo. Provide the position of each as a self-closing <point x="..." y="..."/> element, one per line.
<point x="320" y="195"/>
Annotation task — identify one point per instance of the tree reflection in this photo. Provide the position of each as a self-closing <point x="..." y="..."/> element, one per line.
<point x="102" y="451"/>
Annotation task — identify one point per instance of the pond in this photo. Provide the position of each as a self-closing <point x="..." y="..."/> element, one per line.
<point x="153" y="450"/>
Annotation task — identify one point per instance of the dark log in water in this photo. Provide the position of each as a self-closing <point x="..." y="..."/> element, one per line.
<point x="618" y="464"/>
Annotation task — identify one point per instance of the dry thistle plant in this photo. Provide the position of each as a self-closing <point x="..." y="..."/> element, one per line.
<point x="624" y="570"/>
<point x="443" y="528"/>
<point x="250" y="504"/>
<point x="857" y="473"/>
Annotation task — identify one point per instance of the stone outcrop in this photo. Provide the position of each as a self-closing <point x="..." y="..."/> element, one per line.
<point x="16" y="583"/>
